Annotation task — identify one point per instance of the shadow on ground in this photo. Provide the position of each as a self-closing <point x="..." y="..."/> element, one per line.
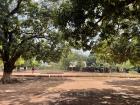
<point x="38" y="94"/>
<point x="30" y="91"/>
<point x="81" y="97"/>
<point x="131" y="86"/>
<point x="96" y="97"/>
<point x="128" y="94"/>
<point x="128" y="82"/>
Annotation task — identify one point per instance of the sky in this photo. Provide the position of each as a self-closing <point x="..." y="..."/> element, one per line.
<point x="85" y="53"/>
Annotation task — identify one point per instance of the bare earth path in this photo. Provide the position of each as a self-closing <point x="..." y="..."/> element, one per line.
<point x="72" y="91"/>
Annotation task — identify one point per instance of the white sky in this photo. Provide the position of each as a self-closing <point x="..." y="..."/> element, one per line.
<point x="85" y="53"/>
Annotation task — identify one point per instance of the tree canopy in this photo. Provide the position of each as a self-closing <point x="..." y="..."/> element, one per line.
<point x="112" y="25"/>
<point x="26" y="30"/>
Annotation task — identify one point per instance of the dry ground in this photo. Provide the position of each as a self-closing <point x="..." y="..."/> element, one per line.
<point x="71" y="91"/>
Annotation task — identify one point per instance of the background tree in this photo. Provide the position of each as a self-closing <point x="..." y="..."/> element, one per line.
<point x="25" y="25"/>
<point x="91" y="60"/>
<point x="20" y="61"/>
<point x="72" y="58"/>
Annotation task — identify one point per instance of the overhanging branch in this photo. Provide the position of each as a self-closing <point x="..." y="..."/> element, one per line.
<point x="25" y="41"/>
<point x="18" y="52"/>
<point x="101" y="19"/>
<point x="30" y="38"/>
<point x="15" y="9"/>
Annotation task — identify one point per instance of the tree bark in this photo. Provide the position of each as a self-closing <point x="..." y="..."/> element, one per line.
<point x="8" y="68"/>
<point x="6" y="78"/>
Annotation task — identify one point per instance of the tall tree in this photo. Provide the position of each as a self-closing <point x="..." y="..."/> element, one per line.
<point x="25" y="25"/>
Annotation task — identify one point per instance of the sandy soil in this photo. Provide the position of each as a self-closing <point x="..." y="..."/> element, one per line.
<point x="71" y="91"/>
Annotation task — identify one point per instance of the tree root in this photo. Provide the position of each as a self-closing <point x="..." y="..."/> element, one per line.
<point x="10" y="81"/>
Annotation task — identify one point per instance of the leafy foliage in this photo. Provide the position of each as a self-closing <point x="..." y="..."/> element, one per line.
<point x="91" y="60"/>
<point x="26" y="30"/>
<point x="108" y="27"/>
<point x="20" y="62"/>
<point x="71" y="58"/>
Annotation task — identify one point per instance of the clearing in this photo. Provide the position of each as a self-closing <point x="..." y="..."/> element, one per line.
<point x="71" y="91"/>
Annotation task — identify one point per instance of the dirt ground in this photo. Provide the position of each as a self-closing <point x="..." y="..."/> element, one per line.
<point x="71" y="91"/>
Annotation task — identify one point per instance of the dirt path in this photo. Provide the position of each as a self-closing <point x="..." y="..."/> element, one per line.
<point x="84" y="83"/>
<point x="72" y="91"/>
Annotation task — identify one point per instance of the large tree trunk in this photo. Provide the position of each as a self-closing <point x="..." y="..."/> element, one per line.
<point x="6" y="78"/>
<point x="8" y="68"/>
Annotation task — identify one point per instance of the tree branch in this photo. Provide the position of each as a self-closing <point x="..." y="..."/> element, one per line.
<point x="1" y="51"/>
<point x="30" y="38"/>
<point x="18" y="53"/>
<point x="101" y="18"/>
<point x="14" y="58"/>
<point x="27" y="39"/>
<point x="1" y="37"/>
<point x="15" y="9"/>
